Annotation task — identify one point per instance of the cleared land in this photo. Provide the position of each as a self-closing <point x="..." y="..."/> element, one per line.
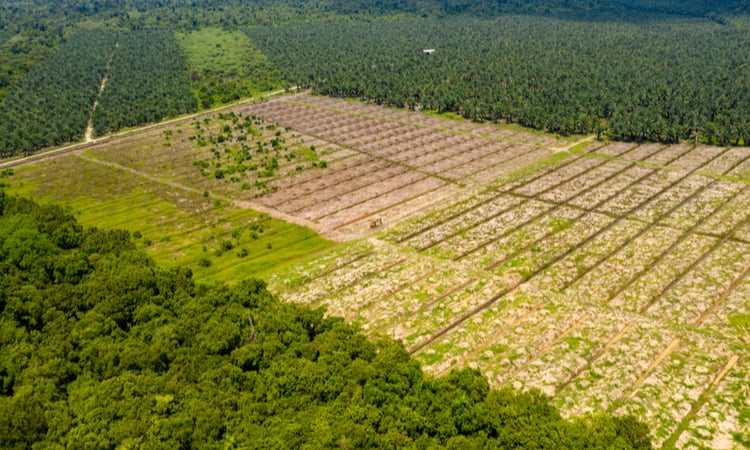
<point x="611" y="276"/>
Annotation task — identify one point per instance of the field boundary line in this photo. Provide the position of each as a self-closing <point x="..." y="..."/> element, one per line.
<point x="399" y="288"/>
<point x="555" y="207"/>
<point x="663" y="254"/>
<point x="483" y="155"/>
<point x="702" y="399"/>
<point x="664" y="354"/>
<point x="493" y="337"/>
<point x="467" y="178"/>
<point x="364" y="188"/>
<point x="556" y="259"/>
<point x="432" y="301"/>
<point x="484" y="219"/>
<point x="596" y="355"/>
<point x="361" y="202"/>
<point x="344" y="193"/>
<point x="724" y="295"/>
<point x="293" y="101"/>
<point x="549" y="345"/>
<point x="242" y="204"/>
<point x="365" y="275"/>
<point x="360" y="151"/>
<point x="622" y="218"/>
<point x="338" y="267"/>
<point x="693" y="265"/>
<point x="497" y="194"/>
<point x="386" y="208"/>
<point x="649" y="226"/>
<point x="343" y="169"/>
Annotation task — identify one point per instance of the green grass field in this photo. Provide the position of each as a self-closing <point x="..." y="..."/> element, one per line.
<point x="225" y="66"/>
<point x="217" y="240"/>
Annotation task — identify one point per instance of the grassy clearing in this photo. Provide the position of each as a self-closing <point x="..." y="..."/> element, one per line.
<point x="225" y="66"/>
<point x="176" y="227"/>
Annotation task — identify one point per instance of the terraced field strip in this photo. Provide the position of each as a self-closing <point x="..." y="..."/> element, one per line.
<point x="548" y="346"/>
<point x="433" y="301"/>
<point x="308" y="185"/>
<point x="355" y="184"/>
<point x="340" y="266"/>
<point x="401" y="287"/>
<point x="701" y="319"/>
<point x="668" y="155"/>
<point x="595" y="207"/>
<point x="506" y="257"/>
<point x="645" y="151"/>
<point x="440" y="217"/>
<point x="698" y="404"/>
<point x="721" y="421"/>
<point x="647" y="229"/>
<point x="367" y="274"/>
<point x="458" y="321"/>
<point x="692" y="266"/>
<point x="348" y="146"/>
<point x="468" y="156"/>
<point x="651" y="368"/>
<point x="428" y="189"/>
<point x="666" y="396"/>
<point x="651" y="262"/>
<point x="611" y="342"/>
<point x="364" y="194"/>
<point x="400" y="117"/>
<point x="492" y="338"/>
<point x="474" y="207"/>
<point x="604" y="383"/>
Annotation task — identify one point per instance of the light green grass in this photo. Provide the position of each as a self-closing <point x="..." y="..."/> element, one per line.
<point x="176" y="227"/>
<point x="445" y="115"/>
<point x="225" y="66"/>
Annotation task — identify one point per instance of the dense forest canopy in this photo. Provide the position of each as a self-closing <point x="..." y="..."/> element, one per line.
<point x="654" y="80"/>
<point x="102" y="348"/>
<point x="659" y="70"/>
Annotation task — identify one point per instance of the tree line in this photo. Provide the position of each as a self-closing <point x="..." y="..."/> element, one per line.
<point x="101" y="348"/>
<point x="659" y="80"/>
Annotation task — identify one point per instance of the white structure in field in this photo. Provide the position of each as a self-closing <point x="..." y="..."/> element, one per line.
<point x="428" y="51"/>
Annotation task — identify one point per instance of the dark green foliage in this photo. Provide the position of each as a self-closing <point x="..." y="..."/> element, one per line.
<point x="147" y="82"/>
<point x="101" y="348"/>
<point x="652" y="80"/>
<point x="53" y="103"/>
